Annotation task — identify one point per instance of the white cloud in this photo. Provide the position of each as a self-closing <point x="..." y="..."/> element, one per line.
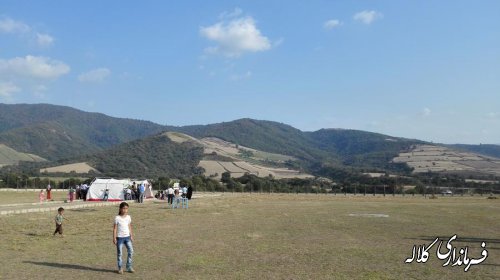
<point x="34" y="67"/>
<point x="8" y="25"/>
<point x="44" y="40"/>
<point x="233" y="38"/>
<point x="426" y="112"/>
<point x="96" y="75"/>
<point x="367" y="17"/>
<point x="331" y="24"/>
<point x="234" y="13"/>
<point x="7" y="89"/>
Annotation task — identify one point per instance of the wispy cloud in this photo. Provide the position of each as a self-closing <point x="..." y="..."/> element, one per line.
<point x="44" y="40"/>
<point x="235" y="37"/>
<point x="368" y="17"/>
<point x="8" y="25"/>
<point x="94" y="76"/>
<point x="332" y="23"/>
<point x="7" y="89"/>
<point x="234" y="13"/>
<point x="11" y="26"/>
<point x="426" y="112"/>
<point x="34" y="67"/>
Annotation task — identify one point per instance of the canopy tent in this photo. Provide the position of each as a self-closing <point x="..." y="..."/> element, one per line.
<point x="148" y="187"/>
<point x="115" y="187"/>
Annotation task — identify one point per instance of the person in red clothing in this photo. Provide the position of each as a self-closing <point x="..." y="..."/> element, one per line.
<point x="49" y="189"/>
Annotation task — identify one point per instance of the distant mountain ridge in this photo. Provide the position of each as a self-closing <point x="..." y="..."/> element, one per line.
<point x="58" y="133"/>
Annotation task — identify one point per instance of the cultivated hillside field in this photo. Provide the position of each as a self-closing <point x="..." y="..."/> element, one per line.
<point x="259" y="236"/>
<point x="80" y="167"/>
<point x="428" y="158"/>
<point x="234" y="162"/>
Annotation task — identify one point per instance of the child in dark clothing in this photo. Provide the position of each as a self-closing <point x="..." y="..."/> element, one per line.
<point x="59" y="220"/>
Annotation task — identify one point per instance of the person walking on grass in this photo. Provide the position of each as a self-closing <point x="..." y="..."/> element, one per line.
<point x="59" y="220"/>
<point x="122" y="234"/>
<point x="41" y="196"/>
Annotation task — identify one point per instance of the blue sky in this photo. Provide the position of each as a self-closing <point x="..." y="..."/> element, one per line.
<point x="419" y="69"/>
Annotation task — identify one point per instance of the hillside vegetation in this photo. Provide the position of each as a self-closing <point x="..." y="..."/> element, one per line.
<point x="9" y="156"/>
<point x="65" y="135"/>
<point x="56" y="132"/>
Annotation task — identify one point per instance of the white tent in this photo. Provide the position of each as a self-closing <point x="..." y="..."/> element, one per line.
<point x="148" y="193"/>
<point x="115" y="187"/>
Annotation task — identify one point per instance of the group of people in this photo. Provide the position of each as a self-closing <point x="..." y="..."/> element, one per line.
<point x="136" y="192"/>
<point x="74" y="192"/>
<point x="41" y="195"/>
<point x="175" y="193"/>
<point x="78" y="192"/>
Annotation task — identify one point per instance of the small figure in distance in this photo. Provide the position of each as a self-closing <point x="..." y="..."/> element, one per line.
<point x="59" y="221"/>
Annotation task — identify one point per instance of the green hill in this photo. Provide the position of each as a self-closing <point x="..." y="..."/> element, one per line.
<point x="267" y="136"/>
<point x="338" y="147"/>
<point x="117" y="145"/>
<point x="9" y="156"/>
<point x="150" y="157"/>
<point x="360" y="148"/>
<point x="56" y="132"/>
<point x="483" y="149"/>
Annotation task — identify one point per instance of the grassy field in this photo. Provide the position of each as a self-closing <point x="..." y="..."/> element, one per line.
<point x="9" y="197"/>
<point x="259" y="236"/>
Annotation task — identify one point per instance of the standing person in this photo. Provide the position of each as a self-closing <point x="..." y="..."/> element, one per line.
<point x="122" y="234"/>
<point x="77" y="193"/>
<point x="71" y="194"/>
<point x="49" y="189"/>
<point x="141" y="193"/>
<point x="184" y="191"/>
<point x="189" y="192"/>
<point x="177" y="198"/>
<point x="59" y="220"/>
<point x="41" y="196"/>
<point x="106" y="195"/>
<point x="128" y="194"/>
<point x="83" y="191"/>
<point x="170" y="195"/>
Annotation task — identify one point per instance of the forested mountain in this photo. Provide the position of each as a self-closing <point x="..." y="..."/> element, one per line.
<point x="262" y="135"/>
<point x="56" y="132"/>
<point x="340" y="147"/>
<point x="360" y="148"/>
<point x="151" y="157"/>
<point x="484" y="149"/>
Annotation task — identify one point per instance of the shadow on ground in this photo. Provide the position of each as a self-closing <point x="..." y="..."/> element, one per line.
<point x="70" y="266"/>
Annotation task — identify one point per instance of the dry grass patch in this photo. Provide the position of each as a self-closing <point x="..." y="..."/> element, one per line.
<point x="15" y="197"/>
<point x="258" y="236"/>
<point x="80" y="167"/>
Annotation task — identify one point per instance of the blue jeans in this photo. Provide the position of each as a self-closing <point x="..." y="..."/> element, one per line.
<point x="128" y="243"/>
